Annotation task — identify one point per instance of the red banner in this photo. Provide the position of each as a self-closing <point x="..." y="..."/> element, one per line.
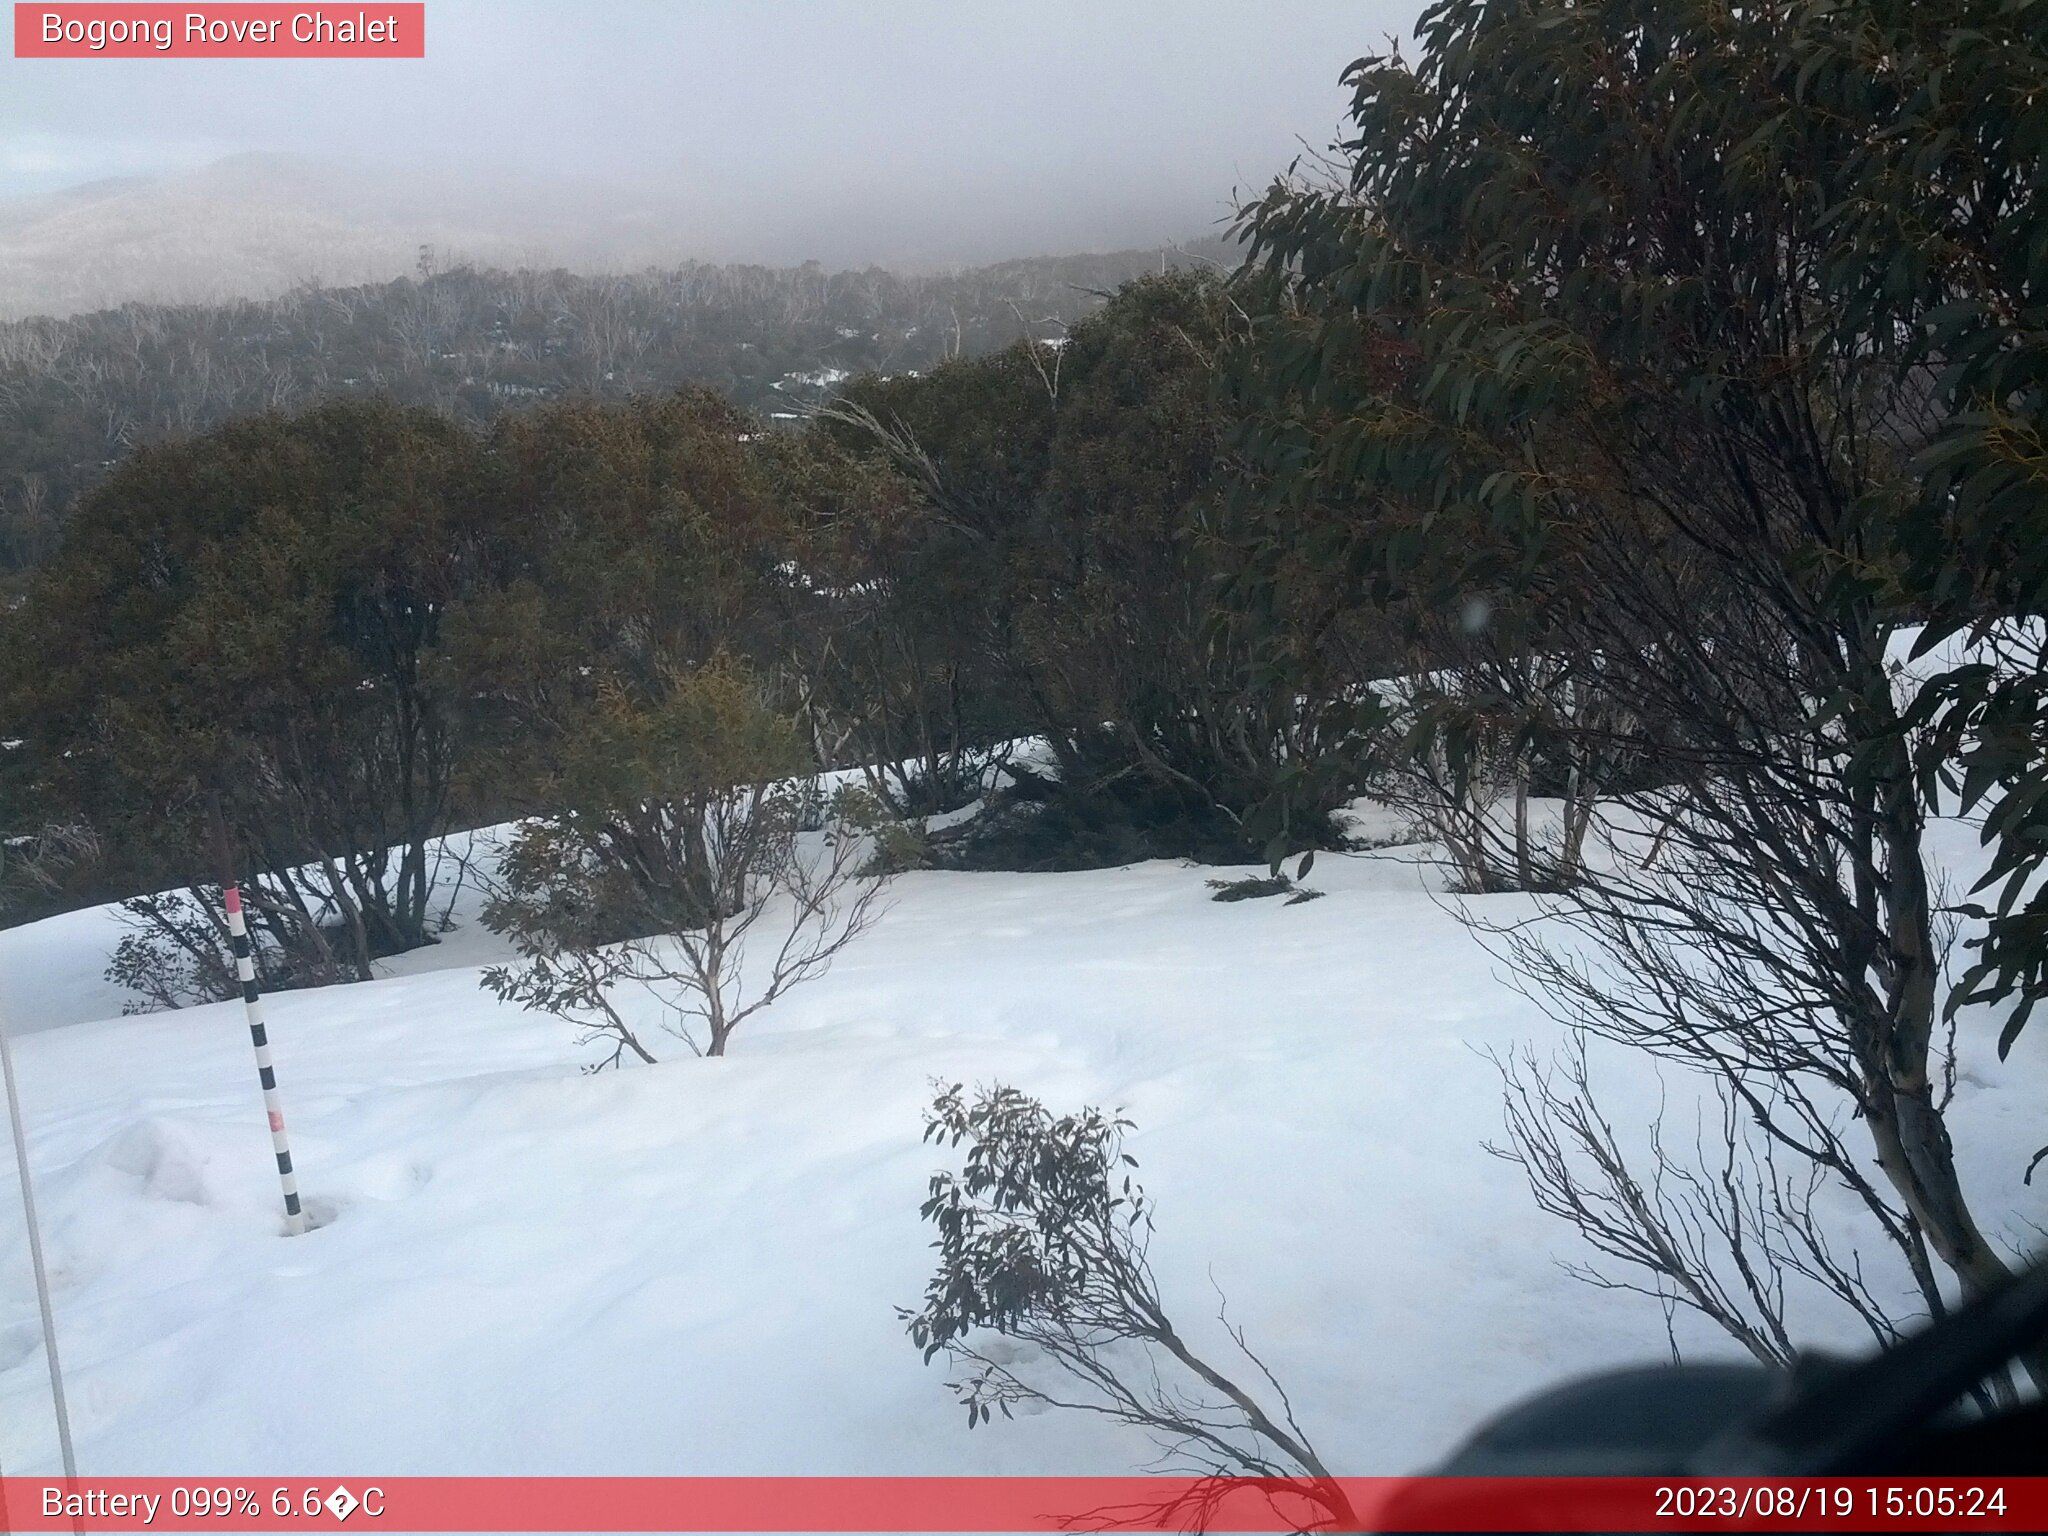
<point x="113" y="31"/>
<point x="1023" y="1504"/>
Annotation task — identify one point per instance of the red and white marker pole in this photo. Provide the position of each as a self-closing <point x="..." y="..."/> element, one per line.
<point x="252" y="1002"/>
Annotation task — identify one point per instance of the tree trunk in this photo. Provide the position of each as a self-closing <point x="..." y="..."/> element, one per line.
<point x="1906" y="1125"/>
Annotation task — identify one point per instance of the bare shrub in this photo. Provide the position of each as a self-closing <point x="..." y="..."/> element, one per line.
<point x="176" y="953"/>
<point x="1722" y="1222"/>
<point x="680" y="874"/>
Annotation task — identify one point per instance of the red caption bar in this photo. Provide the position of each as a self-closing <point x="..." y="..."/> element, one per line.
<point x="106" y="31"/>
<point x="1024" y="1504"/>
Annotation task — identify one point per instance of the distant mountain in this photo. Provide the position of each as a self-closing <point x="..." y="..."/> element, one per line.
<point x="258" y="225"/>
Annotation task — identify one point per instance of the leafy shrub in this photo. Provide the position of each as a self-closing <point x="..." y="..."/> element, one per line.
<point x="1042" y="1240"/>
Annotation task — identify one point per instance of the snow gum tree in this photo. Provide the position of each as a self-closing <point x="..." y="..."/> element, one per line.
<point x="1072" y="493"/>
<point x="254" y="620"/>
<point x="666" y="859"/>
<point x="1672" y="387"/>
<point x="676" y="871"/>
<point x="891" y="617"/>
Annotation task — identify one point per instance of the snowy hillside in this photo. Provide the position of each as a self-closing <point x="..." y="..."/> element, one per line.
<point x="694" y="1267"/>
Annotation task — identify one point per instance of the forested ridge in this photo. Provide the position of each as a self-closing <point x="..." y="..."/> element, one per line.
<point x="76" y="394"/>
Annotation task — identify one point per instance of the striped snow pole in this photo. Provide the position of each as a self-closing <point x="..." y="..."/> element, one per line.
<point x="252" y="1001"/>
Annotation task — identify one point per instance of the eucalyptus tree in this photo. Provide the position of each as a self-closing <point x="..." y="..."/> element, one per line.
<point x="1618" y="322"/>
<point x="247" y="626"/>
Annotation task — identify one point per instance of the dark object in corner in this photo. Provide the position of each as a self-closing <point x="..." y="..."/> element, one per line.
<point x="1900" y="1413"/>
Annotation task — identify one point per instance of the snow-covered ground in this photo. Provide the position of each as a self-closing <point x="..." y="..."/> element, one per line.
<point x="695" y="1267"/>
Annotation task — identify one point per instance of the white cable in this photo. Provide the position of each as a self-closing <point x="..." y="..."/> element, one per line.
<point x="35" y="1254"/>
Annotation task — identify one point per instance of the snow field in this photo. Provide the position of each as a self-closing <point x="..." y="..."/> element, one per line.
<point x="694" y="1268"/>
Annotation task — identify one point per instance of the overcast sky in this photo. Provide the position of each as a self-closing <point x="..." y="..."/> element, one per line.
<point x="1040" y="121"/>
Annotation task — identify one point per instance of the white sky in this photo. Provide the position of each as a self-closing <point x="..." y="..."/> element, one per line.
<point x="887" y="120"/>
